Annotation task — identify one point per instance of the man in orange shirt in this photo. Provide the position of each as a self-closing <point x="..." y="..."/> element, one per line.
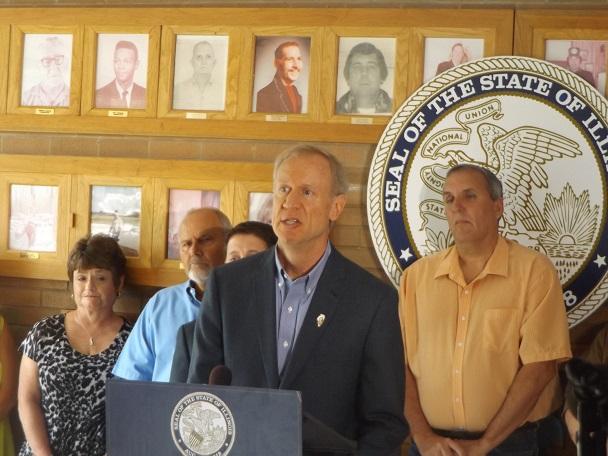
<point x="484" y="326"/>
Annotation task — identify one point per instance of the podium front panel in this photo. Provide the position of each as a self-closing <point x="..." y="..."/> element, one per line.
<point x="151" y="418"/>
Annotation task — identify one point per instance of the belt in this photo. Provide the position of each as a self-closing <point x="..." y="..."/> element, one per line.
<point x="467" y="435"/>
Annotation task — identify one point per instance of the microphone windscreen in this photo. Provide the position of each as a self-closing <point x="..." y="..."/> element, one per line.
<point x="220" y="375"/>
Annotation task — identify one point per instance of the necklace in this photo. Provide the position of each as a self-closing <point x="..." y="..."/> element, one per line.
<point x="91" y="340"/>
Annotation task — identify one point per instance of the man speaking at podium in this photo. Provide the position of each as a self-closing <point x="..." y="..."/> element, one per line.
<point x="302" y="317"/>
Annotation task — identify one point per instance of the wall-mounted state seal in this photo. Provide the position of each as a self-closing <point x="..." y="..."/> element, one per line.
<point x="540" y="128"/>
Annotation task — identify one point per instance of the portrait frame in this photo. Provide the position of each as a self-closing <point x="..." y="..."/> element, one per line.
<point x="170" y="269"/>
<point x="17" y="69"/>
<point x="242" y="192"/>
<point x="495" y="42"/>
<point x="90" y="65"/>
<point x="4" y="60"/>
<point x="248" y="81"/>
<point x="84" y="209"/>
<point x="439" y="53"/>
<point x="32" y="263"/>
<point x="170" y="37"/>
<point x="399" y="60"/>
<point x="534" y="29"/>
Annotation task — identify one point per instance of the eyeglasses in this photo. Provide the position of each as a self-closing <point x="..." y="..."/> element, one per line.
<point x="48" y="61"/>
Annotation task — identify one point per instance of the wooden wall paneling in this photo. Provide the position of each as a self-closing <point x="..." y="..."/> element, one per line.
<point x="249" y="22"/>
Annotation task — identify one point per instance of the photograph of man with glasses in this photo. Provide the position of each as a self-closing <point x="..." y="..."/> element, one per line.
<point x="46" y="70"/>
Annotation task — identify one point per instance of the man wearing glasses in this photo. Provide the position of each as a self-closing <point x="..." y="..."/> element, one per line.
<point x="52" y="90"/>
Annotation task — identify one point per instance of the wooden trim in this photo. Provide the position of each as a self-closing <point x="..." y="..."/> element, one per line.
<point x="154" y="177"/>
<point x="242" y="25"/>
<point x="16" y="71"/>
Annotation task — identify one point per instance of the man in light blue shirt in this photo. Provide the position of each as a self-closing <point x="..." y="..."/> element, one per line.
<point x="148" y="353"/>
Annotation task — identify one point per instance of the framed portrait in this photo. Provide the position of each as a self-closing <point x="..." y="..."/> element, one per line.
<point x="47" y="67"/>
<point x="253" y="201"/>
<point x="116" y="212"/>
<point x="366" y="76"/>
<point x="549" y="35"/>
<point x="285" y="74"/>
<point x="120" y="208"/>
<point x="33" y="218"/>
<point x="377" y="83"/>
<point x="121" y="72"/>
<point x="441" y="54"/>
<point x="445" y="39"/>
<point x="198" y="76"/>
<point x="281" y="74"/>
<point x="173" y="198"/>
<point x="34" y="232"/>
<point x="585" y="58"/>
<point x="260" y="207"/>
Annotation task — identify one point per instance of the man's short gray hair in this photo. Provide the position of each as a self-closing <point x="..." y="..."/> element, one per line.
<point x="338" y="175"/>
<point x="493" y="183"/>
<point x="223" y="218"/>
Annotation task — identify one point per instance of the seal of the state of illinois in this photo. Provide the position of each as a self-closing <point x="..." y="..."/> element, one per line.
<point x="540" y="128"/>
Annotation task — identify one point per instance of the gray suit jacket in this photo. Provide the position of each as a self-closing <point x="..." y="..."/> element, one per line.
<point x="350" y="369"/>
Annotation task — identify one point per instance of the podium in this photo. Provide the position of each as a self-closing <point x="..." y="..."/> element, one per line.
<point x="165" y="419"/>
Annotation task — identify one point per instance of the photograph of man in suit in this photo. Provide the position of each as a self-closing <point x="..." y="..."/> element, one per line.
<point x="123" y="92"/>
<point x="300" y="316"/>
<point x="281" y="94"/>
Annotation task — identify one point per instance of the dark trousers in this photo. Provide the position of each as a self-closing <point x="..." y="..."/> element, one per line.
<point x="522" y="442"/>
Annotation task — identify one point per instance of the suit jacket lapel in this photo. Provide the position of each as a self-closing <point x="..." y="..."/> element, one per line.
<point x="264" y="297"/>
<point x="324" y="302"/>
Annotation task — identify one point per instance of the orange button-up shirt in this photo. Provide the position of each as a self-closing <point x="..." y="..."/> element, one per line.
<point x="466" y="342"/>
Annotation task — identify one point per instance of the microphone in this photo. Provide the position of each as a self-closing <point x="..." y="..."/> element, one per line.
<point x="220" y="375"/>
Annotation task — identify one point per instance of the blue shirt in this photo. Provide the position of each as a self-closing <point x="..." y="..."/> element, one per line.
<point x="148" y="353"/>
<point x="292" y="301"/>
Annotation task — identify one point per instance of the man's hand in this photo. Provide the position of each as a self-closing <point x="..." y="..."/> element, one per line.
<point x="434" y="445"/>
<point x="469" y="447"/>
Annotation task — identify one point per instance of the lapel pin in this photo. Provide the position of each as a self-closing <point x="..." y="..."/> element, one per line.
<point x="320" y="320"/>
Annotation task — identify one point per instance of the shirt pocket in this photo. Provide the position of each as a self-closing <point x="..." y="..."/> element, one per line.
<point x="500" y="332"/>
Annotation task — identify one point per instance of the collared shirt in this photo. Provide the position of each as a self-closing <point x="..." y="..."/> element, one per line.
<point x="292" y="301"/>
<point x="347" y="104"/>
<point x="466" y="342"/>
<point x="148" y="353"/>
<point x="124" y="93"/>
<point x="190" y="95"/>
<point x="37" y="96"/>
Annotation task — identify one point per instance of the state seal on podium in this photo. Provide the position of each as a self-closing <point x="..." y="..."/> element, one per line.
<point x="202" y="425"/>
